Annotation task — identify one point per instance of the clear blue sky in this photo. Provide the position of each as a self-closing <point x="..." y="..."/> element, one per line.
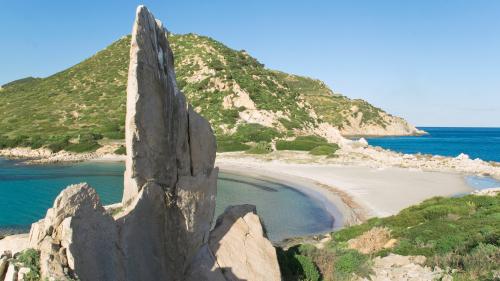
<point x="433" y="62"/>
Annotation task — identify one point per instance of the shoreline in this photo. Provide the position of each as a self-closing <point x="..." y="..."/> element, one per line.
<point x="365" y="191"/>
<point x="338" y="204"/>
<point x="357" y="184"/>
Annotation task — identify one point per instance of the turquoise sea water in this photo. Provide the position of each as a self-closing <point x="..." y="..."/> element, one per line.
<point x="27" y="191"/>
<point x="483" y="143"/>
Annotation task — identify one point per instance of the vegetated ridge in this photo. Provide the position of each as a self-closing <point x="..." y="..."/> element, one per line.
<point x="243" y="100"/>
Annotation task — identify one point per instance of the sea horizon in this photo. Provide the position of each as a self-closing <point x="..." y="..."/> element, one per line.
<point x="476" y="142"/>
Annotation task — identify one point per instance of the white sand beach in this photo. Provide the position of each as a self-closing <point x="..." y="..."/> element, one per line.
<point x="367" y="191"/>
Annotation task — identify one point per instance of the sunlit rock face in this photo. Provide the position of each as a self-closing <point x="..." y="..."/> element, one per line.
<point x="162" y="229"/>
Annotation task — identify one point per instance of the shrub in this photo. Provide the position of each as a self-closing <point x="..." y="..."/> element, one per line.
<point x="351" y="261"/>
<point x="30" y="258"/>
<point x="255" y="133"/>
<point x="231" y="145"/>
<point x="310" y="272"/>
<point x="324" y="149"/>
<point x="260" y="148"/>
<point x="289" y="125"/>
<point x="83" y="147"/>
<point x="89" y="137"/>
<point x="121" y="150"/>
<point x="295" y="266"/>
<point x="479" y="264"/>
<point x="114" y="135"/>
<point x="304" y="143"/>
<point x="301" y="145"/>
<point x="36" y="142"/>
<point x="58" y="144"/>
<point x="312" y="138"/>
<point x="290" y="267"/>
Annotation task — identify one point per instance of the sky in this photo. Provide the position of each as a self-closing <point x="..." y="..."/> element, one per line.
<point x="434" y="62"/>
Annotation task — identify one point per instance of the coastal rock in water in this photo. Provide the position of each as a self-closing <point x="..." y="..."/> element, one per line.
<point x="170" y="183"/>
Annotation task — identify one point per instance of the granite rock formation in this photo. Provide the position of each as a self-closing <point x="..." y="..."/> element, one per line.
<point x="161" y="231"/>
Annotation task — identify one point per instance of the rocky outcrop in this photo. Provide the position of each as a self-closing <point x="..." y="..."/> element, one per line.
<point x="162" y="231"/>
<point x="389" y="126"/>
<point x="14" y="243"/>
<point x="237" y="250"/>
<point x="404" y="268"/>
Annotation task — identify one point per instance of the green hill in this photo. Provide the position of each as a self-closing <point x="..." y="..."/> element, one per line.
<point x="237" y="94"/>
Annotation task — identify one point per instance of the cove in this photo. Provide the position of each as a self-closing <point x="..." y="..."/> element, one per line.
<point x="27" y="191"/>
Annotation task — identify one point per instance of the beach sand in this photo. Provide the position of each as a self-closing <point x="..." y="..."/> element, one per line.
<point x="363" y="191"/>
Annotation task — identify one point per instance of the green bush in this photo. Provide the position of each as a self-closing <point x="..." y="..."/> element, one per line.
<point x="83" y="147"/>
<point x="295" y="266"/>
<point x="304" y="143"/>
<point x="290" y="125"/>
<point x="30" y="258"/>
<point x="351" y="261"/>
<point x="290" y="267"/>
<point x="231" y="145"/>
<point x="255" y="133"/>
<point x="36" y="142"/>
<point x="312" y="138"/>
<point x="310" y="272"/>
<point x="58" y="144"/>
<point x="300" y="145"/>
<point x="324" y="149"/>
<point x="260" y="148"/>
<point x="114" y="135"/>
<point x="121" y="150"/>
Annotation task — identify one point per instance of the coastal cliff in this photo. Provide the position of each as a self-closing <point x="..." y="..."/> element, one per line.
<point x="162" y="228"/>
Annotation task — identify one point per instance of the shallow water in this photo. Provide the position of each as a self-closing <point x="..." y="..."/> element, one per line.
<point x="480" y="183"/>
<point x="28" y="190"/>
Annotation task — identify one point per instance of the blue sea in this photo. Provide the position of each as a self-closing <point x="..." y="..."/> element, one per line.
<point x="27" y="191"/>
<point x="483" y="143"/>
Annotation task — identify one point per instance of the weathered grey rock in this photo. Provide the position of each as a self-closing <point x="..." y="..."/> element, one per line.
<point x="21" y="274"/>
<point x="202" y="143"/>
<point x="11" y="274"/>
<point x="14" y="243"/>
<point x="170" y="186"/>
<point x="238" y="248"/>
<point x="78" y="236"/>
<point x="142" y="236"/>
<point x="154" y="105"/>
<point x="4" y="263"/>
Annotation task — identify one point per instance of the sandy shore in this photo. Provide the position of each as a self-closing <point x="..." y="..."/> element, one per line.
<point x="357" y="184"/>
<point x="363" y="191"/>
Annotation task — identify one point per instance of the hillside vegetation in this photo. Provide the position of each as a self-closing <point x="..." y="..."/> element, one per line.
<point x="76" y="108"/>
<point x="461" y="234"/>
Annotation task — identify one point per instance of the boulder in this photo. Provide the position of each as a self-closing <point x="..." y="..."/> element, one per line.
<point x="14" y="243"/>
<point x="11" y="274"/>
<point x="78" y="236"/>
<point x="21" y="274"/>
<point x="238" y="249"/>
<point x="4" y="264"/>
